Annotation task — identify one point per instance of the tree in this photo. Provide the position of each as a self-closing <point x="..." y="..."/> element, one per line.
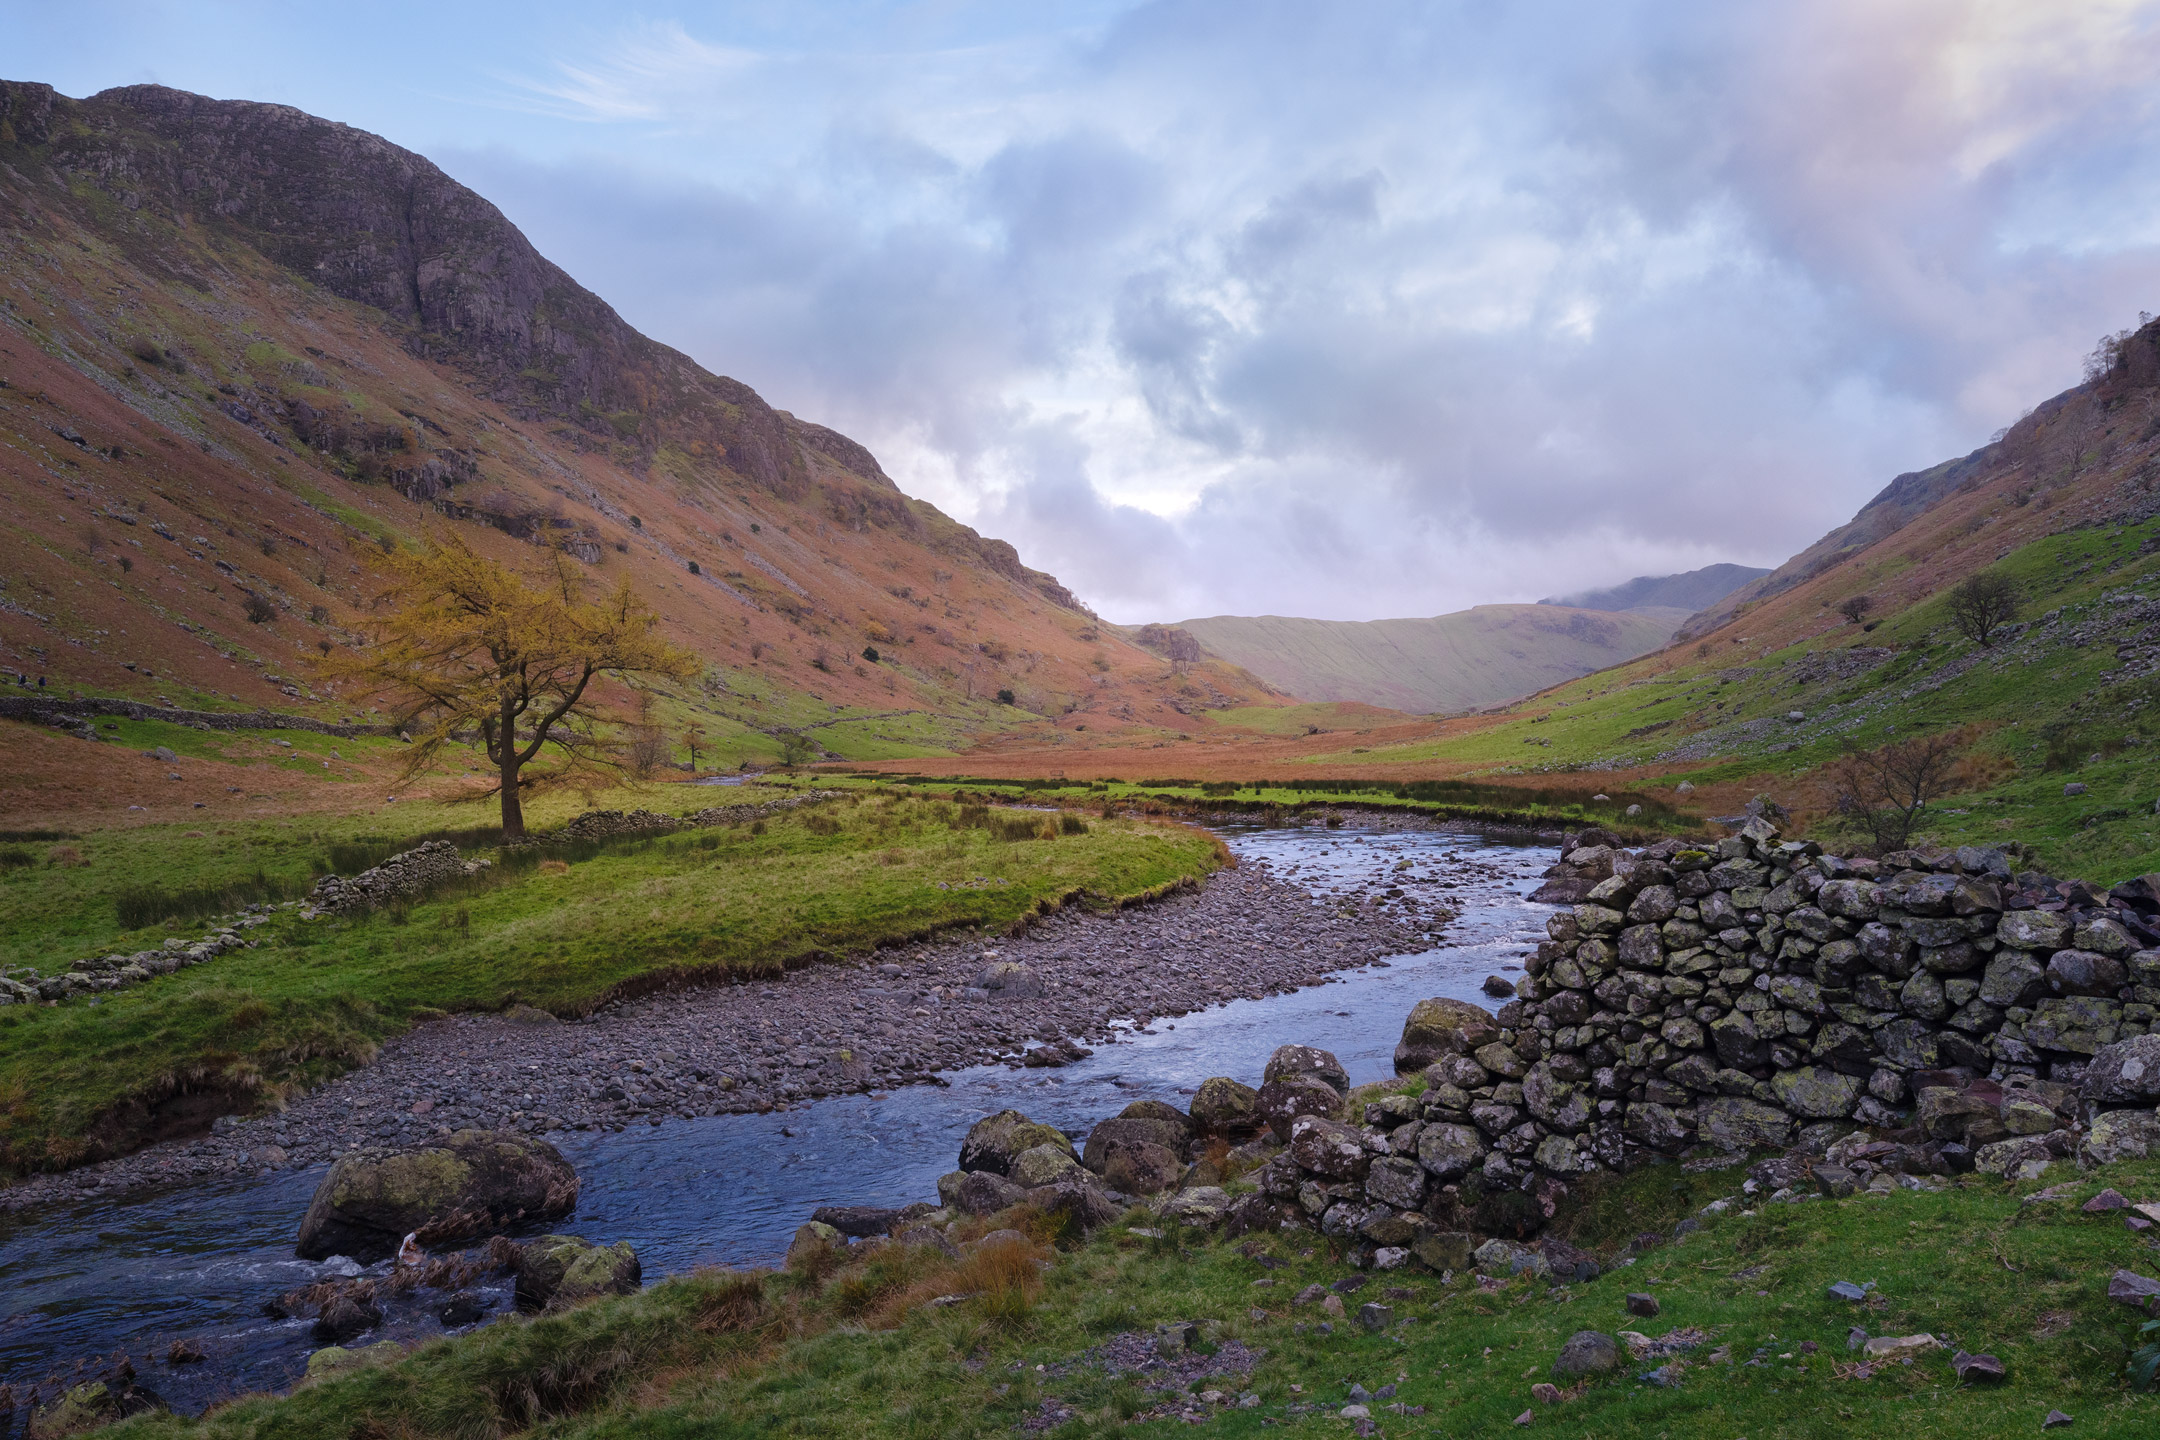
<point x="1856" y="609"/>
<point x="1983" y="604"/>
<point x="466" y="643"/>
<point x="692" y="733"/>
<point x="796" y="749"/>
<point x="1886" y="790"/>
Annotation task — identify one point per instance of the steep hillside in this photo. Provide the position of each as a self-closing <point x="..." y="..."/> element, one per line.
<point x="1692" y="590"/>
<point x="1481" y="656"/>
<point x="241" y="347"/>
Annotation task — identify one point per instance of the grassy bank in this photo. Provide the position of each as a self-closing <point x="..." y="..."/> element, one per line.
<point x="563" y="931"/>
<point x="859" y="1352"/>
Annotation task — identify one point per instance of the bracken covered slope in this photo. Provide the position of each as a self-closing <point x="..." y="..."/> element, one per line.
<point x="241" y="346"/>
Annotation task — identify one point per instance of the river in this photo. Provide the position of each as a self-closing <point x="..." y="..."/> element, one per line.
<point x="85" y="1283"/>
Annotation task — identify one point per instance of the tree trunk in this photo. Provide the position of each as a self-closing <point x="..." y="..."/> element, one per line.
<point x="513" y="809"/>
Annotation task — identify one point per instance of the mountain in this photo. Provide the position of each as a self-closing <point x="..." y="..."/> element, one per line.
<point x="1472" y="658"/>
<point x="1694" y="590"/>
<point x="242" y="346"/>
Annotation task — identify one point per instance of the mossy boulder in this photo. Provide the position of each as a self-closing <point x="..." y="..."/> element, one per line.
<point x="558" y="1270"/>
<point x="337" y="1359"/>
<point x="473" y="1183"/>
<point x="995" y="1141"/>
<point x="1440" y="1027"/>
<point x="89" y="1406"/>
<point x="1224" y="1107"/>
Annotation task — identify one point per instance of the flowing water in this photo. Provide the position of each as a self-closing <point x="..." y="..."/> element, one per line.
<point x="100" y="1278"/>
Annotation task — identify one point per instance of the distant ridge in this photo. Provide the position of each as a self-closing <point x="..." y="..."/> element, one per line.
<point x="1695" y="590"/>
<point x="1464" y="661"/>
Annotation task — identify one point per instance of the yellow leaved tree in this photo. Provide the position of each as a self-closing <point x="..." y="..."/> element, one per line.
<point x="467" y="644"/>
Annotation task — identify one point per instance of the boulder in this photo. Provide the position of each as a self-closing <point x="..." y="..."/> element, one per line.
<point x="1159" y="1112"/>
<point x="1448" y="1152"/>
<point x="2119" y="1135"/>
<point x="1735" y="1122"/>
<point x="1445" y="1250"/>
<point x="559" y="1270"/>
<point x="1327" y="1147"/>
<point x="1587" y="1352"/>
<point x="474" y="1183"/>
<point x="858" y="1221"/>
<point x="1084" y="1206"/>
<point x="1817" y="1093"/>
<point x="337" y="1360"/>
<point x="1041" y="1165"/>
<point x="1141" y="1168"/>
<point x="2085" y="972"/>
<point x="1283" y="1101"/>
<point x="2124" y="1073"/>
<point x="1440" y="1027"/>
<point x="1502" y="1060"/>
<point x="1110" y="1135"/>
<point x="345" y="1315"/>
<point x="1396" y="1180"/>
<point x="1203" y="1206"/>
<point x="2137" y="1291"/>
<point x="94" y="1404"/>
<point x="1010" y="980"/>
<point x="2013" y="978"/>
<point x="1300" y="1061"/>
<point x="1221" y="1106"/>
<point x="977" y="1192"/>
<point x="994" y="1141"/>
<point x="2033" y="930"/>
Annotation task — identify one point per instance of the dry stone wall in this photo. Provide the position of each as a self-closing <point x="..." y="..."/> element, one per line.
<point x="406" y="873"/>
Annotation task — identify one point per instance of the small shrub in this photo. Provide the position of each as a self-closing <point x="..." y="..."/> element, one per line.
<point x="1070" y="824"/>
<point x="870" y="653"/>
<point x="821" y="824"/>
<point x="1856" y="609"/>
<point x="66" y="856"/>
<point x="1005" y="697"/>
<point x="757" y="827"/>
<point x="554" y="867"/>
<point x="258" y="610"/>
<point x="14" y="857"/>
<point x="127" y="565"/>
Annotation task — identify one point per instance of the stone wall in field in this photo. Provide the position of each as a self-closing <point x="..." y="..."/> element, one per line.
<point x="405" y="874"/>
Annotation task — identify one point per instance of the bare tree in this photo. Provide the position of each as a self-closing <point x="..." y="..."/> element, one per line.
<point x="1983" y="604"/>
<point x="1887" y="790"/>
<point x="1856" y="609"/>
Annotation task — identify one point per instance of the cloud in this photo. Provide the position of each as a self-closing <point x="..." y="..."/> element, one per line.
<point x="1385" y="309"/>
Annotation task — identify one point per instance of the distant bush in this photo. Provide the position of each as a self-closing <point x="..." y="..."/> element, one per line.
<point x="1070" y="824"/>
<point x="258" y="610"/>
<point x="1983" y="604"/>
<point x="1856" y="609"/>
<point x="14" y="857"/>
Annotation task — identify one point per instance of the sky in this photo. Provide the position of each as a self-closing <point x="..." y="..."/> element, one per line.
<point x="1339" y="310"/>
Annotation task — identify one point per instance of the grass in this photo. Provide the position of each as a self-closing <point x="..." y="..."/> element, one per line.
<point x="566" y="934"/>
<point x="854" y="1350"/>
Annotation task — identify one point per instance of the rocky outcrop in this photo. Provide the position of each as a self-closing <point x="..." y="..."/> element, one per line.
<point x="473" y="1183"/>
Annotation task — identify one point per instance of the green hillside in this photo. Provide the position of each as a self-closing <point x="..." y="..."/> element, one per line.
<point x="1472" y="658"/>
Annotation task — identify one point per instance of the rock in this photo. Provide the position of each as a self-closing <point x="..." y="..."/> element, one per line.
<point x="1440" y="1027"/>
<point x="1085" y="1207"/>
<point x="2105" y="1202"/>
<point x="1326" y="1147"/>
<point x="1010" y="980"/>
<point x="2130" y="1288"/>
<point x="2119" y="1135"/>
<point x="2124" y="1073"/>
<point x="1643" y="1305"/>
<point x="2055" y="1418"/>
<point x="1141" y="1168"/>
<point x="1498" y="987"/>
<point x="1445" y="1250"/>
<point x="1221" y="1106"/>
<point x="1109" y="1136"/>
<point x="1203" y="1206"/>
<point x="2085" y="972"/>
<point x="337" y="1360"/>
<point x="1448" y="1152"/>
<point x="1817" y="1093"/>
<point x="1396" y="1180"/>
<point x="2026" y="1117"/>
<point x="1374" y="1317"/>
<point x="344" y="1316"/>
<point x="1846" y="1290"/>
<point x="1545" y="1392"/>
<point x="1505" y="1256"/>
<point x="2075" y="787"/>
<point x="92" y="1405"/>
<point x="477" y="1182"/>
<point x="1836" y="1181"/>
<point x="1041" y="1165"/>
<point x="2013" y="978"/>
<point x="1526" y="1417"/>
<point x="978" y="1192"/>
<point x="1974" y="1369"/>
<point x="858" y="1221"/>
<point x="994" y="1141"/>
<point x="1899" y="1347"/>
<point x="1283" y="1101"/>
<point x="1502" y="1060"/>
<point x="1309" y="1060"/>
<point x="2033" y="930"/>
<point x="559" y="1270"/>
<point x="1587" y="1352"/>
<point x="458" y="1311"/>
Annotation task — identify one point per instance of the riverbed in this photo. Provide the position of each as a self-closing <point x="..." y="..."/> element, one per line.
<point x="84" y="1282"/>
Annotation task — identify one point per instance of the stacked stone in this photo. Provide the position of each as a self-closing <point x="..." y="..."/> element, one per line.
<point x="407" y="873"/>
<point x="95" y="974"/>
<point x="1734" y="994"/>
<point x="600" y="824"/>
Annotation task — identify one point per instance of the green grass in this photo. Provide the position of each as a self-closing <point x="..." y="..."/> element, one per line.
<point x="314" y="997"/>
<point x="2038" y="722"/>
<point x="857" y="1354"/>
